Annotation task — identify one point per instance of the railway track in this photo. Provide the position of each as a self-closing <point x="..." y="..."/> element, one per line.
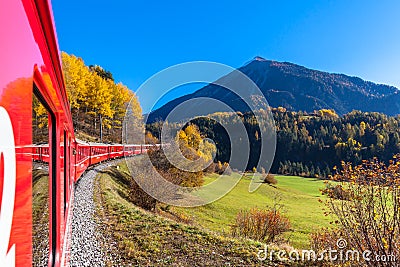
<point x="86" y="236"/>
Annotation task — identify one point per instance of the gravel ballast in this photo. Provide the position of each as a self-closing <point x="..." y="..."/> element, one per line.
<point x="86" y="236"/>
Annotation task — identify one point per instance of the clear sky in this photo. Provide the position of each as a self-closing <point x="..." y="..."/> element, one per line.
<point x="136" y="39"/>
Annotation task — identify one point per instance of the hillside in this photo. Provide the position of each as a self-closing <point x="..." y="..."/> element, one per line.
<point x="295" y="88"/>
<point x="135" y="237"/>
<point x="298" y="196"/>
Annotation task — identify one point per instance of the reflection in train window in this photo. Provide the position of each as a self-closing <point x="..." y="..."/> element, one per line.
<point x="40" y="184"/>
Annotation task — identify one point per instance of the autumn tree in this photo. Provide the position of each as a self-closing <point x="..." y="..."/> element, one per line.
<point x="76" y="77"/>
<point x="98" y="104"/>
<point x="191" y="137"/>
<point x="39" y="122"/>
<point x="105" y="74"/>
<point x="369" y="216"/>
<point x="327" y="113"/>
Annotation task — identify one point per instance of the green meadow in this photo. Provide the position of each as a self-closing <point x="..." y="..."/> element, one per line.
<point x="297" y="196"/>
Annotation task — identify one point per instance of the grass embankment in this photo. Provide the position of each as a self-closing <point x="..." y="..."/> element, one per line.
<point x="137" y="237"/>
<point x="299" y="197"/>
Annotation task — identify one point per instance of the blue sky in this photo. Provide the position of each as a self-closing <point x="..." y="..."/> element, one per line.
<point x="136" y="39"/>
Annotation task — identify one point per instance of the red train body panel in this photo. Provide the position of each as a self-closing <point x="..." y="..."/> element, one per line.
<point x="98" y="153"/>
<point x="116" y="151"/>
<point x="82" y="159"/>
<point x="130" y="150"/>
<point x="30" y="65"/>
<point x="29" y="59"/>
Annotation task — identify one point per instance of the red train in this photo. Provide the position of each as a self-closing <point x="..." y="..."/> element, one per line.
<point x="90" y="154"/>
<point x="30" y="71"/>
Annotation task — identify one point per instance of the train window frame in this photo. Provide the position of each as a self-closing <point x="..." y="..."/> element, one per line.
<point x="66" y="169"/>
<point x="52" y="129"/>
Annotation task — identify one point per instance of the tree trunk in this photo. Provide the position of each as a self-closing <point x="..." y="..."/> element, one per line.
<point x="101" y="129"/>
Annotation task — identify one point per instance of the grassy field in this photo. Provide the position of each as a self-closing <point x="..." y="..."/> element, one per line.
<point x="299" y="197"/>
<point x="134" y="237"/>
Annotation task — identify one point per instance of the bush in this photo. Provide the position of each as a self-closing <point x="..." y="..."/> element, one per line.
<point x="140" y="198"/>
<point x="324" y="239"/>
<point x="262" y="225"/>
<point x="222" y="168"/>
<point x="336" y="192"/>
<point x="368" y="207"/>
<point x="270" y="179"/>
<point x="173" y="174"/>
<point x="136" y="194"/>
<point x="227" y="169"/>
<point x="210" y="169"/>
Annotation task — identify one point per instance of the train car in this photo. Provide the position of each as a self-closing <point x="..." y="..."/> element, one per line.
<point x="130" y="150"/>
<point x="145" y="148"/>
<point x="116" y="151"/>
<point x="98" y="153"/>
<point x="44" y="153"/>
<point x="30" y="69"/>
<point x="81" y="152"/>
<point x="36" y="153"/>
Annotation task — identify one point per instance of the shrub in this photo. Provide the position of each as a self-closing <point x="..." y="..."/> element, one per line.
<point x="336" y="192"/>
<point x="227" y="169"/>
<point x="174" y="174"/>
<point x="144" y="186"/>
<point x="218" y="167"/>
<point x="140" y="198"/>
<point x="270" y="179"/>
<point x="370" y="217"/>
<point x="324" y="239"/>
<point x="136" y="194"/>
<point x="259" y="224"/>
<point x="222" y="168"/>
<point x="211" y="168"/>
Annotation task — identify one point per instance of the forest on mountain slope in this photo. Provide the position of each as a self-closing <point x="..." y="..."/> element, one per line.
<point x="308" y="144"/>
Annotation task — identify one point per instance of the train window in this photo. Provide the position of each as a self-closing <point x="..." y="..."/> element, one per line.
<point x="42" y="181"/>
<point x="66" y="168"/>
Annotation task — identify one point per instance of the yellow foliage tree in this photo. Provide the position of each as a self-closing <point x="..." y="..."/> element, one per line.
<point x="192" y="138"/>
<point x="76" y="76"/>
<point x="97" y="100"/>
<point x="39" y="121"/>
<point x="330" y="113"/>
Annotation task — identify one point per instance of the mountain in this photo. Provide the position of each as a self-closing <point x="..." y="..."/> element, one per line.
<point x="287" y="85"/>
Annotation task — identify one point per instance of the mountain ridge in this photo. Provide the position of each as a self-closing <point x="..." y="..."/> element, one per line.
<point x="295" y="88"/>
